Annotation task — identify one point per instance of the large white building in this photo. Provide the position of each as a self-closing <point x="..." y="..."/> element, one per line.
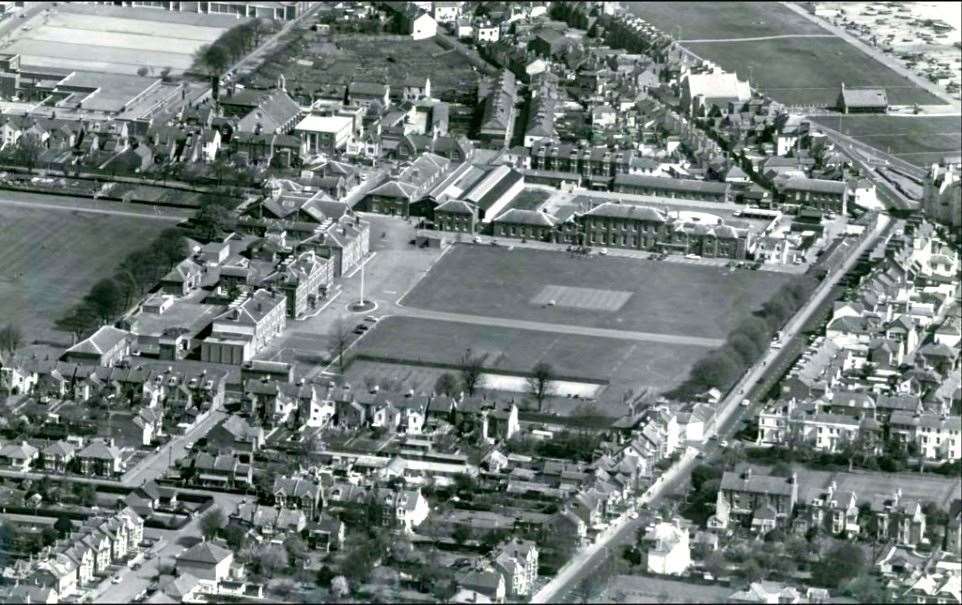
<point x="325" y="134"/>
<point x="669" y="553"/>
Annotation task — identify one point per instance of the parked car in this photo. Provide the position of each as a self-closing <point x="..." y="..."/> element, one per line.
<point x="362" y="327"/>
<point x="603" y="252"/>
<point x="115" y="580"/>
<point x="371" y="319"/>
<point x="745" y="403"/>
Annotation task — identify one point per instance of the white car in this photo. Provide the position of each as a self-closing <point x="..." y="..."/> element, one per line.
<point x="692" y="257"/>
<point x="115" y="580"/>
<point x="745" y="403"/>
<point x="723" y="443"/>
<point x="603" y="252"/>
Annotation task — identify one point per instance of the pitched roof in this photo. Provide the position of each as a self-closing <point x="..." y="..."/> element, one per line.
<point x="864" y="97"/>
<point x="205" y="552"/>
<point x="101" y="341"/>
<point x="518" y="216"/>
<point x="627" y="211"/>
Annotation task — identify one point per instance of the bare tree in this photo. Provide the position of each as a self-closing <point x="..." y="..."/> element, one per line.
<point x="11" y="338"/>
<point x="470" y="367"/>
<point x="539" y="383"/>
<point x="340" y="342"/>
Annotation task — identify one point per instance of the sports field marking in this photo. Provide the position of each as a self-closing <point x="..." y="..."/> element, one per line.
<point x="592" y="299"/>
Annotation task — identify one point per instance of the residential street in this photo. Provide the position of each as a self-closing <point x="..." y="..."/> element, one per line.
<point x="729" y="413"/>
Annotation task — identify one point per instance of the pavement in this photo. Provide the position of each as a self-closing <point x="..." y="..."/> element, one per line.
<point x="729" y="415"/>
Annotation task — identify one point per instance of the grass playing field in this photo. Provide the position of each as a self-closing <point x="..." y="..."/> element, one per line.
<point x="795" y="71"/>
<point x="810" y="71"/>
<point x="49" y="259"/>
<point x="665" y="297"/>
<point x="917" y="139"/>
<point x="731" y="20"/>
<point x="416" y="343"/>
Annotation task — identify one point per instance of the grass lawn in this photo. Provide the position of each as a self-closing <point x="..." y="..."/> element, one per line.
<point x="619" y="363"/>
<point x="920" y="140"/>
<point x="646" y="589"/>
<point x="931" y="487"/>
<point x="809" y="71"/>
<point x="529" y="199"/>
<point x="50" y="259"/>
<point x="666" y="297"/>
<point x="728" y="20"/>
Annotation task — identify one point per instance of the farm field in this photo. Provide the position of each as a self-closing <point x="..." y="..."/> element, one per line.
<point x="916" y="139"/>
<point x="731" y="20"/>
<point x="412" y="349"/>
<point x="810" y="71"/>
<point x="50" y="259"/>
<point x="664" y="297"/>
<point x="117" y="40"/>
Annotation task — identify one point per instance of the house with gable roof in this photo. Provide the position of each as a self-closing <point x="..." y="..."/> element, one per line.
<point x="106" y="347"/>
<point x="18" y="456"/>
<point x="100" y="458"/>
<point x="206" y="561"/>
<point x="298" y="492"/>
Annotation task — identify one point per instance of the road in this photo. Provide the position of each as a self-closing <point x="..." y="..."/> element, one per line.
<point x="586" y="561"/>
<point x="133" y="582"/>
<point x="883" y="58"/>
<point x="857" y="152"/>
<point x="757" y="38"/>
<point x="269" y="44"/>
<point x="155" y="465"/>
<point x="66" y="204"/>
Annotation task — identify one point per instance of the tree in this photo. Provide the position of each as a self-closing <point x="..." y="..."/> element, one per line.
<point x="212" y="523"/>
<point x="11" y="338"/>
<point x="447" y="384"/>
<point x="142" y="71"/>
<point x="340" y="342"/>
<point x="272" y="558"/>
<point x="843" y="562"/>
<point x="296" y="548"/>
<point x="214" y="58"/>
<point x="461" y="534"/>
<point x="104" y="299"/>
<point x="236" y="537"/>
<point x="212" y="221"/>
<point x="28" y="151"/>
<point x="63" y="525"/>
<point x="470" y="367"/>
<point x="539" y="383"/>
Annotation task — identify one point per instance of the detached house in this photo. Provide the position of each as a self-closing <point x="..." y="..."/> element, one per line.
<point x="18" y="456"/>
<point x="744" y="496"/>
<point x="100" y="458"/>
<point x="298" y="493"/>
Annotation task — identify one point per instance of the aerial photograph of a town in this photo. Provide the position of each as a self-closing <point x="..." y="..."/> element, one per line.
<point x="480" y="302"/>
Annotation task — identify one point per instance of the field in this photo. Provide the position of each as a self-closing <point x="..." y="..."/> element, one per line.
<point x="117" y="40"/>
<point x="49" y="260"/>
<point x="731" y="20"/>
<point x="920" y="140"/>
<point x="794" y="70"/>
<point x="810" y="71"/>
<point x="647" y="589"/>
<point x="312" y="63"/>
<point x="665" y="298"/>
<point x="426" y="342"/>
<point x="937" y="488"/>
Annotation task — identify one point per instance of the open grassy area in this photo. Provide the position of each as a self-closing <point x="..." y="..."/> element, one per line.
<point x="917" y="139"/>
<point x="666" y="297"/>
<point x="313" y="61"/>
<point x="810" y="71"/>
<point x="803" y="71"/>
<point x="50" y="259"/>
<point x="866" y="484"/>
<point x="417" y="343"/>
<point x="728" y="20"/>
